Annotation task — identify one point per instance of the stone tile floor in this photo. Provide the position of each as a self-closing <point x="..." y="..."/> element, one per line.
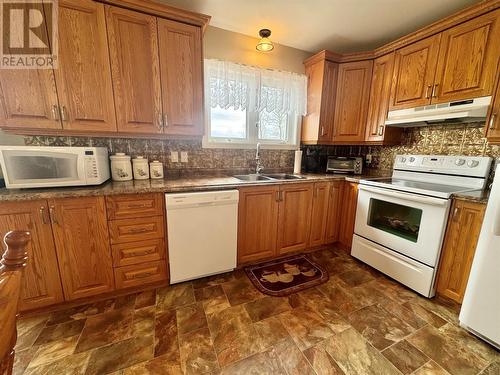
<point x="359" y="322"/>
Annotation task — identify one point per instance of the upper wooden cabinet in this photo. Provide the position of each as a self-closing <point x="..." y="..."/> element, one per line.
<point x="84" y="78"/>
<point x="257" y="223"/>
<point x="351" y="102"/>
<point x="81" y="236"/>
<point x="41" y="282"/>
<point x="468" y="58"/>
<point x="493" y="119"/>
<point x="457" y="64"/>
<point x="317" y="124"/>
<point x="181" y="77"/>
<point x="380" y="90"/>
<point x="414" y="71"/>
<point x="294" y="218"/>
<point x="135" y="67"/>
<point x="459" y="248"/>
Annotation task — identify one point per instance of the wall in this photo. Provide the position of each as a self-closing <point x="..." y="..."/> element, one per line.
<point x="227" y="45"/>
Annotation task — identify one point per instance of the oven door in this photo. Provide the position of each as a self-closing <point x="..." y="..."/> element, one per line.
<point x="31" y="167"/>
<point x="409" y="224"/>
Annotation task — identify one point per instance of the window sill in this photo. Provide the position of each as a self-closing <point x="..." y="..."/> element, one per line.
<point x="248" y="146"/>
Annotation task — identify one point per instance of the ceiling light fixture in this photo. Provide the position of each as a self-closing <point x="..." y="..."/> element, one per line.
<point x="265" y="44"/>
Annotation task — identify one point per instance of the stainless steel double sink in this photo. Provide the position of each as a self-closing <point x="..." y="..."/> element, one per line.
<point x="268" y="177"/>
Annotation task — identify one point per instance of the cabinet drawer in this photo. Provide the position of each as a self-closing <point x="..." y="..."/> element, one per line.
<point x="128" y="253"/>
<point x="140" y="229"/>
<point x="140" y="274"/>
<point x="134" y="205"/>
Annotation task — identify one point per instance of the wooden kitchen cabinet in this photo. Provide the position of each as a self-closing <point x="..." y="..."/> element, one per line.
<point x="348" y="213"/>
<point x="334" y="211"/>
<point x="351" y="102"/>
<point x="493" y="118"/>
<point x="181" y="77"/>
<point x="294" y="217"/>
<point x="257" y="222"/>
<point x="82" y="243"/>
<point x="414" y="70"/>
<point x="41" y="283"/>
<point x="83" y="76"/>
<point x="380" y="91"/>
<point x="462" y="234"/>
<point x="467" y="61"/>
<point x="319" y="215"/>
<point x="135" y="68"/>
<point x="317" y="124"/>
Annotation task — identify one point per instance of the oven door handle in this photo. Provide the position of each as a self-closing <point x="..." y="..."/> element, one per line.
<point x="406" y="196"/>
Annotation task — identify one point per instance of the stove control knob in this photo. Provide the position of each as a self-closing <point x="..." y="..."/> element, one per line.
<point x="403" y="159"/>
<point x="472" y="163"/>
<point x="460" y="162"/>
<point x="412" y="159"/>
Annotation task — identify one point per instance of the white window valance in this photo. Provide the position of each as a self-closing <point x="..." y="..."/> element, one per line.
<point x="231" y="85"/>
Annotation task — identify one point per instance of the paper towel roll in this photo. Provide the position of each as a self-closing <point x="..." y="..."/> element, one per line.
<point x="298" y="162"/>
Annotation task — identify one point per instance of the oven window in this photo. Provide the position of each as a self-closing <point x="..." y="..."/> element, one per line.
<point x="402" y="221"/>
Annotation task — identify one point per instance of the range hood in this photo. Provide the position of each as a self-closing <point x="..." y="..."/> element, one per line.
<point x="459" y="111"/>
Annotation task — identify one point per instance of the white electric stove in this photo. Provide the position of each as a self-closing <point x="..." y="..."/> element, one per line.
<point x="400" y="221"/>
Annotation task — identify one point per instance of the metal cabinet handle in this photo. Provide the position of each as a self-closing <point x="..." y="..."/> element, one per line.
<point x="165" y="120"/>
<point x="160" y="122"/>
<point x="137" y="205"/>
<point x="456" y="212"/>
<point x="434" y="91"/>
<point x="64" y="115"/>
<point x="277" y="196"/>
<point x="322" y="131"/>
<point x="427" y="92"/>
<point x="492" y="121"/>
<point x="138" y="230"/>
<point x="52" y="212"/>
<point x="141" y="253"/>
<point x="42" y="215"/>
<point x="55" y="112"/>
<point x="140" y="275"/>
<point x="381" y="130"/>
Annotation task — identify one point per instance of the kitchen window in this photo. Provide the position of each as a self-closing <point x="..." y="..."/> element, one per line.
<point x="246" y="105"/>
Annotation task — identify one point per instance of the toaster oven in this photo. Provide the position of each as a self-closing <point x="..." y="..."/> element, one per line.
<point x="342" y="164"/>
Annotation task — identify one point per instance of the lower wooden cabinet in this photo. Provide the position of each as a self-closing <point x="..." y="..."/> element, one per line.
<point x="348" y="214"/>
<point x="82" y="243"/>
<point x="462" y="234"/>
<point x="41" y="284"/>
<point x="319" y="216"/>
<point x="334" y="211"/>
<point x="140" y="274"/>
<point x="294" y="217"/>
<point x="257" y="222"/>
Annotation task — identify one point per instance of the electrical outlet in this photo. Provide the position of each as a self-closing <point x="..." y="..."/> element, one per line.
<point x="174" y="156"/>
<point x="184" y="157"/>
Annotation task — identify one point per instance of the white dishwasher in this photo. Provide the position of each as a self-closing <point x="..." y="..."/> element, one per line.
<point x="202" y="233"/>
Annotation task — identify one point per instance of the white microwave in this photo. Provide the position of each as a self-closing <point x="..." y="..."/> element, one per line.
<point x="34" y="166"/>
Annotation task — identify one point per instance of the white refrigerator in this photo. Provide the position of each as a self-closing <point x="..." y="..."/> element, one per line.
<point x="480" y="313"/>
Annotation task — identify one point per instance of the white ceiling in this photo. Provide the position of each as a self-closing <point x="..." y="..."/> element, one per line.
<point x="336" y="25"/>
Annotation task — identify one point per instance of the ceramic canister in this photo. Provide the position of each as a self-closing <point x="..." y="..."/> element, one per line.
<point x="121" y="168"/>
<point x="141" y="168"/>
<point x="156" y="169"/>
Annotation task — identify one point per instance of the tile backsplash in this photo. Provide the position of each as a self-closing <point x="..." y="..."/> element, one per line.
<point x="444" y="139"/>
<point x="200" y="160"/>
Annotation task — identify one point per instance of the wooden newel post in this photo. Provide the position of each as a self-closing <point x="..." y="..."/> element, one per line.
<point x="16" y="253"/>
<point x="11" y="270"/>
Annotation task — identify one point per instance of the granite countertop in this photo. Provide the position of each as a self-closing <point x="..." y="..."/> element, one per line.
<point x="478" y="196"/>
<point x="170" y="185"/>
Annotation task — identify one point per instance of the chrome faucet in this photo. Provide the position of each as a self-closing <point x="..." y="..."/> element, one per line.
<point x="258" y="167"/>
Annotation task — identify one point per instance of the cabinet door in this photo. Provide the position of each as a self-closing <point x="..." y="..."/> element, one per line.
<point x="82" y="244"/>
<point x="133" y="47"/>
<point x="294" y="217"/>
<point x="459" y="248"/>
<point x="328" y="95"/>
<point x="84" y="76"/>
<point x="181" y="77"/>
<point x="414" y="70"/>
<point x="348" y="214"/>
<point x="41" y="285"/>
<point x="321" y="194"/>
<point x="493" y="119"/>
<point x="334" y="212"/>
<point x="380" y="92"/>
<point x="257" y="223"/>
<point x="351" y="104"/>
<point x="468" y="58"/>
